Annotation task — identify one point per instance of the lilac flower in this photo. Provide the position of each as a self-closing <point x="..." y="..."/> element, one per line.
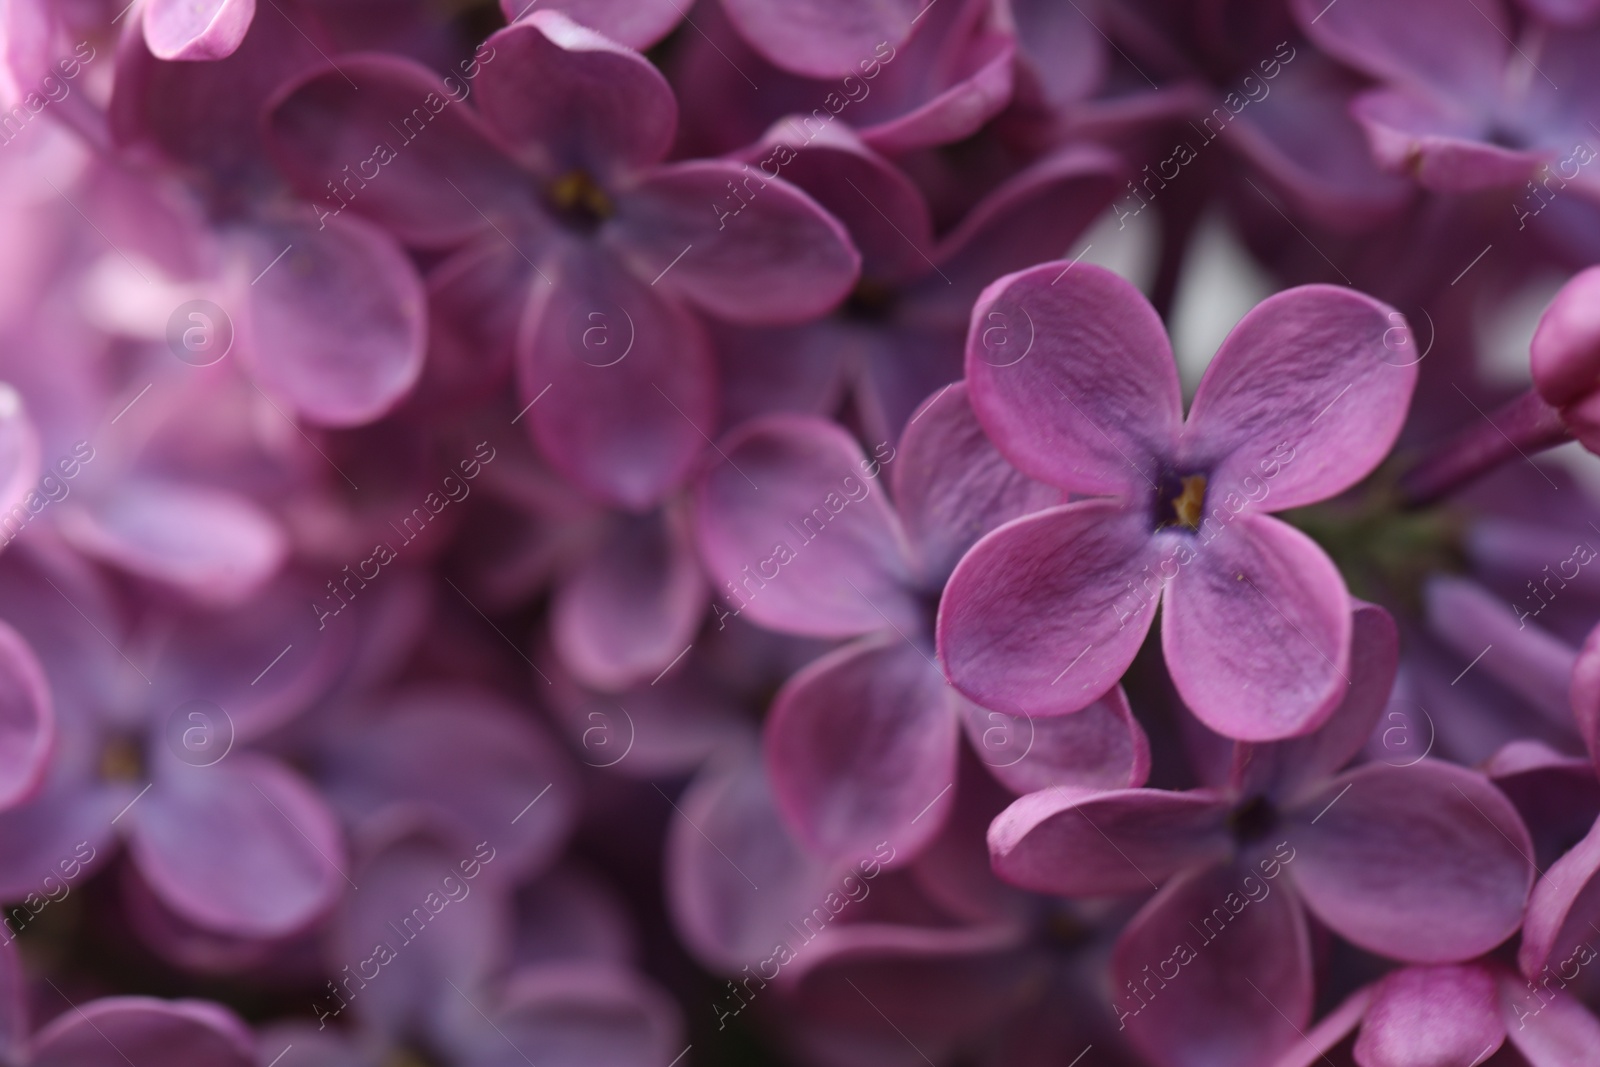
<point x="861" y="745"/>
<point x="334" y="329"/>
<point x="1463" y="104"/>
<point x="228" y="838"/>
<point x="113" y="1029"/>
<point x="1427" y="863"/>
<point x="1072" y="378"/>
<point x="586" y="246"/>
<point x="419" y="960"/>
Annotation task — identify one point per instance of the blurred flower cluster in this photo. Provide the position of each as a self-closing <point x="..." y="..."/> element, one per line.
<point x="651" y="533"/>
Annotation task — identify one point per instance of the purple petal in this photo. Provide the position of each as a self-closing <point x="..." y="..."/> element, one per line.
<point x="1427" y="863"/>
<point x="179" y="1033"/>
<point x="1257" y="632"/>
<point x="471" y="758"/>
<point x="1564" y="1033"/>
<point x="1287" y="769"/>
<point x="1557" y="796"/>
<point x="1083" y="843"/>
<point x="1565" y="901"/>
<point x="27" y="720"/>
<point x="735" y="876"/>
<point x="1073" y="379"/>
<point x="567" y="99"/>
<point x="1585" y="693"/>
<point x="822" y="38"/>
<point x="952" y="487"/>
<point x="1419" y="43"/>
<point x="1330" y="1032"/>
<point x="796" y="530"/>
<point x="336" y="327"/>
<point x="13" y="1003"/>
<point x="1442" y="148"/>
<point x="1527" y="660"/>
<point x="1427" y="1015"/>
<point x="1028" y="219"/>
<point x="861" y="748"/>
<point x="215" y="546"/>
<point x="1100" y="747"/>
<point x="626" y="612"/>
<point x="392" y="150"/>
<point x="635" y="23"/>
<point x="630" y="377"/>
<point x="476" y="299"/>
<point x="1564" y="355"/>
<point x="243" y="847"/>
<point x="886" y="214"/>
<point x="579" y="1015"/>
<point x="19" y="449"/>
<point x="1062" y="50"/>
<point x="420" y="918"/>
<point x="187" y="29"/>
<point x="1206" y="974"/>
<point x="1303" y="399"/>
<point x="786" y="261"/>
<point x="1041" y="617"/>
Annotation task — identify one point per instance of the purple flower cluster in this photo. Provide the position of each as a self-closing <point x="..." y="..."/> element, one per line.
<point x="651" y="533"/>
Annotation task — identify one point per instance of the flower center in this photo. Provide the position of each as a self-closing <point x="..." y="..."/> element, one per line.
<point x="1253" y="820"/>
<point x="870" y="301"/>
<point x="1180" y="500"/>
<point x="122" y="760"/>
<point x="577" y="200"/>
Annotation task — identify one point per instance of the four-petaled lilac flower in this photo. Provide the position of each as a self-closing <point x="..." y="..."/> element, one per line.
<point x="861" y="745"/>
<point x="577" y="246"/>
<point x="1427" y="863"/>
<point x="1072" y="377"/>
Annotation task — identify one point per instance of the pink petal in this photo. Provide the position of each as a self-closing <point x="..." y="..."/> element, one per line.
<point x="952" y="487"/>
<point x="625" y="613"/>
<point x="1528" y="660"/>
<point x="476" y="300"/>
<point x="635" y="23"/>
<point x="1208" y="973"/>
<point x="335" y="329"/>
<point x="1428" y="1015"/>
<point x="1304" y="398"/>
<point x="1084" y="843"/>
<point x="1565" y="901"/>
<point x="780" y="259"/>
<point x="630" y="379"/>
<point x="1073" y="379"/>
<point x="565" y="98"/>
<point x="27" y="720"/>
<point x="821" y="38"/>
<point x="1257" y="630"/>
<point x="243" y="847"/>
<point x="797" y="532"/>
<point x="1286" y="770"/>
<point x="177" y="1033"/>
<point x="1099" y="747"/>
<point x="214" y="546"/>
<point x="392" y="150"/>
<point x="861" y="748"/>
<point x="1331" y="1031"/>
<point x="196" y="29"/>
<point x="1427" y="863"/>
<point x="1041" y="616"/>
